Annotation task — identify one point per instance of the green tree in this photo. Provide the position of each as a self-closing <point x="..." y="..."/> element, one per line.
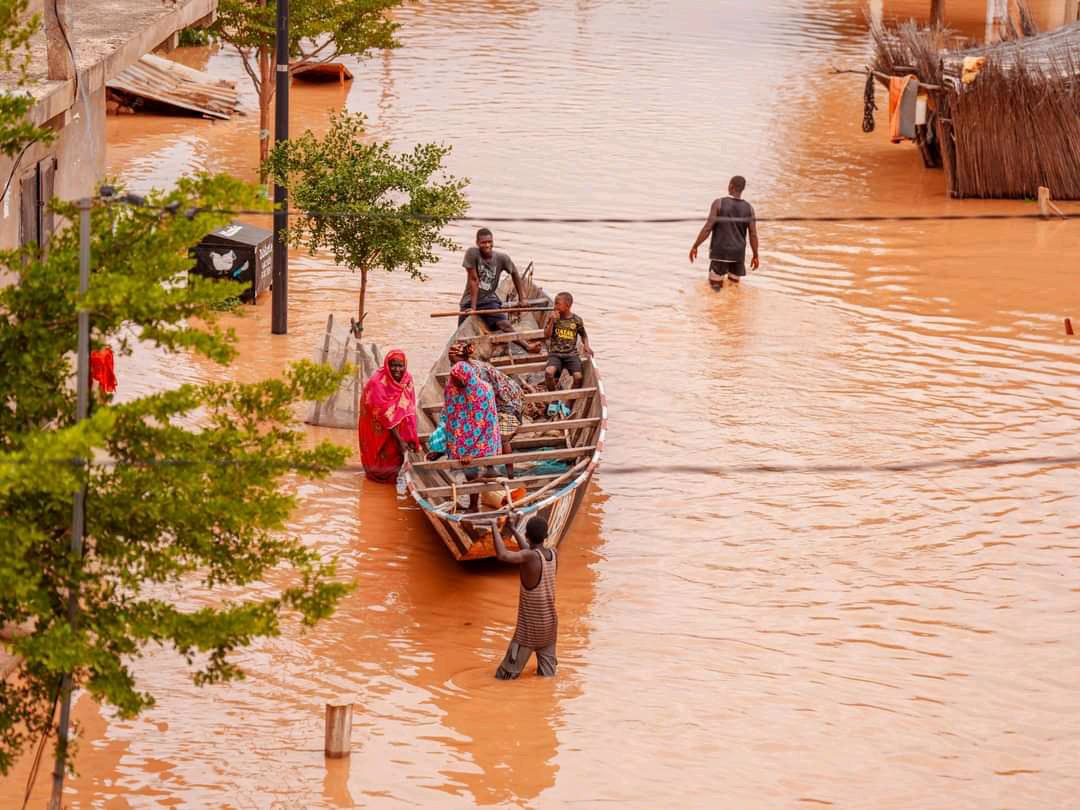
<point x="395" y="206"/>
<point x="319" y="31"/>
<point x="184" y="499"/>
<point x="16" y="132"/>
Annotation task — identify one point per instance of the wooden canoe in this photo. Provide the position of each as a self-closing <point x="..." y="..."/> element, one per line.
<point x="569" y="448"/>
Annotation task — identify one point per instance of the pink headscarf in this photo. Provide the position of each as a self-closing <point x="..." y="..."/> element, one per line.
<point x="390" y="402"/>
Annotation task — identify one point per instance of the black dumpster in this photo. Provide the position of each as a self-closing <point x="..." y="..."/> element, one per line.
<point x="238" y="252"/>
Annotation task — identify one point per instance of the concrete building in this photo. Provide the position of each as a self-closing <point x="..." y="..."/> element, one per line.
<point x="102" y="38"/>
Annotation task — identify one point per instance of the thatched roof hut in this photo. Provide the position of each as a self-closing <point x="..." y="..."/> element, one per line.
<point x="1012" y="128"/>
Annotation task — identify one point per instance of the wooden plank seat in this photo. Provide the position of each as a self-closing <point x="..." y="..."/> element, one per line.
<point x="510" y="458"/>
<point x="486" y="486"/>
<point x="545" y="425"/>
<point x="518" y="368"/>
<point x="506" y="337"/>
<point x="511" y="359"/>
<point x="539" y="396"/>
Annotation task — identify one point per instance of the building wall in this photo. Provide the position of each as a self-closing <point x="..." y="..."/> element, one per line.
<point x="79" y="150"/>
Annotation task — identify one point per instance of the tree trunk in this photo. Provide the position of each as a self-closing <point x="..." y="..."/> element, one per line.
<point x="363" y="296"/>
<point x="266" y="98"/>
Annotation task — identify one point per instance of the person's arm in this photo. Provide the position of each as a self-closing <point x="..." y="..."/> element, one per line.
<point x="549" y="326"/>
<point x="401" y="442"/>
<point x="474" y="287"/>
<point x="755" y="262"/>
<point x="706" y="230"/>
<point x="584" y="339"/>
<point x="519" y="285"/>
<point x="501" y="551"/>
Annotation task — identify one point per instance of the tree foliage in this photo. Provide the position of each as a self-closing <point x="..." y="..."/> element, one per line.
<point x="319" y="31"/>
<point x="396" y="205"/>
<point x="184" y="505"/>
<point x="16" y="132"/>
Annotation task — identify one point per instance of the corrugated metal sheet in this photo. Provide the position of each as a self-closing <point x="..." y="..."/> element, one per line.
<point x="167" y="82"/>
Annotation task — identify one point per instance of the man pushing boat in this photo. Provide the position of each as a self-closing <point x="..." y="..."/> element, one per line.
<point x="537" y="627"/>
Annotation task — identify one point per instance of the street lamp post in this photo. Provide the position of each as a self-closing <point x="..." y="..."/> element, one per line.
<point x="279" y="308"/>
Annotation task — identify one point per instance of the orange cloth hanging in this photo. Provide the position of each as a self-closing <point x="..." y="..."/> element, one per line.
<point x="897" y="86"/>
<point x="101" y="369"/>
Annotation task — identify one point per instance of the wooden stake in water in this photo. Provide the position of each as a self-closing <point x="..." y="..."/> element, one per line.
<point x="338" y="731"/>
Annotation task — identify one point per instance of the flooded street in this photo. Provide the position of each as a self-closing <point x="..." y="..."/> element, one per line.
<point x="732" y="638"/>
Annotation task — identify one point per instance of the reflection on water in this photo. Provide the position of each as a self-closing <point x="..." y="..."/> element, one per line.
<point x="856" y="639"/>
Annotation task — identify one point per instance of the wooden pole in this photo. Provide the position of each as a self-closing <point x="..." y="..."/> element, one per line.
<point x="1044" y="201"/>
<point x="324" y="355"/>
<point x="338" y="731"/>
<point x="58" y="35"/>
<point x="456" y="313"/>
<point x="937" y="13"/>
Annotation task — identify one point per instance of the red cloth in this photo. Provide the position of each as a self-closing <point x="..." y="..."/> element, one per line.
<point x="386" y="404"/>
<point x="101" y="369"/>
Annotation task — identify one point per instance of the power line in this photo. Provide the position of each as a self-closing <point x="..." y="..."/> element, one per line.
<point x="625" y="469"/>
<point x="136" y="201"/>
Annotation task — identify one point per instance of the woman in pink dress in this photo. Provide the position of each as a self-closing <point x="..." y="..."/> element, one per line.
<point x="388" y="419"/>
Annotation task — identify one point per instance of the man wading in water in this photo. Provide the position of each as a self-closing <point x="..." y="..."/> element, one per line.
<point x="727" y="248"/>
<point x="537" y="622"/>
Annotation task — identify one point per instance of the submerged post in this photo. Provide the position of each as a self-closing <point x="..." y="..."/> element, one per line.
<point x="279" y="305"/>
<point x="1044" y="201"/>
<point x="338" y="731"/>
<point x="78" y="512"/>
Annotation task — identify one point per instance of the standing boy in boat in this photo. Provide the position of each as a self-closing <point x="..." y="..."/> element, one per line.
<point x="727" y="247"/>
<point x="562" y="331"/>
<point x="537" y="622"/>
<point x="485" y="266"/>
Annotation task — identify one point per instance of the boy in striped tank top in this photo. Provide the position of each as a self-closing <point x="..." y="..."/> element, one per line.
<point x="537" y="623"/>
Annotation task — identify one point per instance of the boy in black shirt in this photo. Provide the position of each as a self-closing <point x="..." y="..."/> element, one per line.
<point x="562" y="332"/>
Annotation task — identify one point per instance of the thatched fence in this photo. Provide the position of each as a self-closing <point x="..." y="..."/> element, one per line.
<point x="1015" y="127"/>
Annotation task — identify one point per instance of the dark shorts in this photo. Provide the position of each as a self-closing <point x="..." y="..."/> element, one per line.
<point x="720" y="269"/>
<point x="571" y="362"/>
<point x="490" y="321"/>
<point x="517" y="656"/>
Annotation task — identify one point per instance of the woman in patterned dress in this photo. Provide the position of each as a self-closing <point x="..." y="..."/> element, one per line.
<point x="470" y="420"/>
<point x="509" y="394"/>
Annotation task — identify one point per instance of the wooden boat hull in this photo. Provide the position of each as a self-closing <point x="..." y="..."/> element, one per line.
<point x="555" y="497"/>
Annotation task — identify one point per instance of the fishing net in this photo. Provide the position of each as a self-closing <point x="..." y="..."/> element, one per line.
<point x="336" y="348"/>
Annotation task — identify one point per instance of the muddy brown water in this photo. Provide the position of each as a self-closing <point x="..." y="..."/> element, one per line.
<point x="859" y="639"/>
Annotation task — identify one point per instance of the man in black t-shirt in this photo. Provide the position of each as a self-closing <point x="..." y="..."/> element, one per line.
<point x="730" y="222"/>
<point x="485" y="267"/>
